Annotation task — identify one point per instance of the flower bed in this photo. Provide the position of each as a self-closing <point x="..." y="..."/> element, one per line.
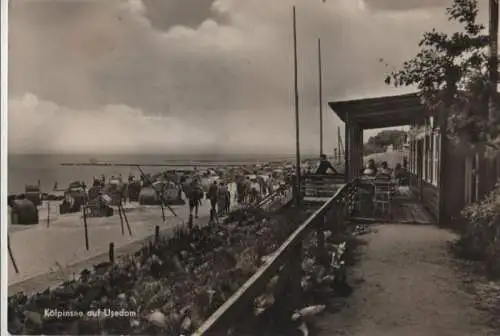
<point x="169" y="287"/>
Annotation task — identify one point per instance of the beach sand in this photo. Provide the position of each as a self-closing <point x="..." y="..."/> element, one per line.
<point x="39" y="249"/>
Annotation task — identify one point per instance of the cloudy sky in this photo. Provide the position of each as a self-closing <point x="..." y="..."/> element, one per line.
<point x="197" y="75"/>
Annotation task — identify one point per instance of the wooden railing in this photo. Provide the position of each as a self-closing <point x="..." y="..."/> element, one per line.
<point x="280" y="197"/>
<point x="284" y="262"/>
<point x="321" y="185"/>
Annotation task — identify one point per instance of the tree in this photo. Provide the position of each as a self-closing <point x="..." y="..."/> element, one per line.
<point x="379" y="142"/>
<point x="451" y="73"/>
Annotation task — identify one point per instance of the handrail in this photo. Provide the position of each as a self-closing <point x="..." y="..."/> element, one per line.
<point x="321" y="185"/>
<point x="257" y="283"/>
<point x="323" y="176"/>
<point x="283" y="189"/>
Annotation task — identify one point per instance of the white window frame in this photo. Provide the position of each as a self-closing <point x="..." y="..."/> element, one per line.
<point x="436" y="150"/>
<point x="412" y="156"/>
<point x="424" y="158"/>
<point x="430" y="158"/>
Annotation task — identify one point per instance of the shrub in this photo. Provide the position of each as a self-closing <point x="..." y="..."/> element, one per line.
<point x="480" y="234"/>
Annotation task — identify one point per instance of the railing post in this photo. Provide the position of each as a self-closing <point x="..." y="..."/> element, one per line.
<point x="288" y="290"/>
<point x="320" y="237"/>
<point x="157" y="234"/>
<point x="296" y="276"/>
<point x="339" y="216"/>
<point x="111" y="253"/>
<point x="85" y="229"/>
<point x="295" y="191"/>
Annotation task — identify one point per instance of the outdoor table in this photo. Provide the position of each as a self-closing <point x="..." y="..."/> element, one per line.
<point x="366" y="192"/>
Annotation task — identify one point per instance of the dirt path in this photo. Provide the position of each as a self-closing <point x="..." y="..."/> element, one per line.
<point x="405" y="285"/>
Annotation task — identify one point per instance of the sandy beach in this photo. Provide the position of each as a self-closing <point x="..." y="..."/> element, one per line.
<point x="39" y="249"/>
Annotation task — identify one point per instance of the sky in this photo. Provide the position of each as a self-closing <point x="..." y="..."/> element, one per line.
<point x="198" y="76"/>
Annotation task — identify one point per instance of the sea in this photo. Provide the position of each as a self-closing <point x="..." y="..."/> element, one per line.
<point x="29" y="169"/>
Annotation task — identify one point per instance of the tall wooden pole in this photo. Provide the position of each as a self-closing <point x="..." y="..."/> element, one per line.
<point x="320" y="78"/>
<point x="493" y="32"/>
<point x="297" y="129"/>
<point x="493" y="59"/>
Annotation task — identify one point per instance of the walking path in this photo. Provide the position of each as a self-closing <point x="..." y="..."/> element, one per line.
<point x="405" y="284"/>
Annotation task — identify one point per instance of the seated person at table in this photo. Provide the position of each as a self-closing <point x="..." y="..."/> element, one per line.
<point x="371" y="169"/>
<point x="384" y="170"/>
<point x="399" y="173"/>
<point x="324" y="165"/>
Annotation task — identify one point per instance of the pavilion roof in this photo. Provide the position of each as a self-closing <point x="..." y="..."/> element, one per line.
<point x="388" y="111"/>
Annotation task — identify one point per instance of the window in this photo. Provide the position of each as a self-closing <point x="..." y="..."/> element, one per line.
<point x="435" y="170"/>
<point x="410" y="158"/>
<point x="430" y="160"/>
<point x="415" y="155"/>
<point x="424" y="159"/>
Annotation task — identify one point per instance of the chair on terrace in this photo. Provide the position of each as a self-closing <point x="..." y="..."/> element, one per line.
<point x="383" y="195"/>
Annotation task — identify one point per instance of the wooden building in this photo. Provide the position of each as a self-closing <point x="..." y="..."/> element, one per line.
<point x="467" y="175"/>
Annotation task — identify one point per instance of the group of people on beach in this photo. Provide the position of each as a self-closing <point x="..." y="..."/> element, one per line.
<point x="220" y="198"/>
<point x="218" y="194"/>
<point x="248" y="191"/>
<point x="251" y="190"/>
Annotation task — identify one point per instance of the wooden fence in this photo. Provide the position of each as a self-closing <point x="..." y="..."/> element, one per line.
<point x="284" y="262"/>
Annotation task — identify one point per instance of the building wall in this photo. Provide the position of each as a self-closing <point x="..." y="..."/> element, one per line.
<point x="470" y="177"/>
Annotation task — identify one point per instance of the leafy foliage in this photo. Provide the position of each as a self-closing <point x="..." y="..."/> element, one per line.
<point x="172" y="285"/>
<point x="379" y="142"/>
<point x="480" y="238"/>
<point x="451" y="71"/>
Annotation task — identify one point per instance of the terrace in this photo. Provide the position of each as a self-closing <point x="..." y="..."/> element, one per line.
<point x="340" y="203"/>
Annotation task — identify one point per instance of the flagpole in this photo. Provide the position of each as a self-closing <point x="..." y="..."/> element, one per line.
<point x="297" y="129"/>
<point x="320" y="78"/>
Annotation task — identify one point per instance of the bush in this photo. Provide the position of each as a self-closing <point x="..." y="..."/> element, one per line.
<point x="480" y="234"/>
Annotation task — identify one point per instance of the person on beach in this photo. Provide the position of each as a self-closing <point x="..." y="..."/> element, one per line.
<point x="324" y="165"/>
<point x="247" y="190"/>
<point x="254" y="191"/>
<point x="221" y="199"/>
<point x="262" y="184"/>
<point x="195" y="195"/>
<point x="270" y="185"/>
<point x="240" y="190"/>
<point x="212" y="195"/>
<point x="228" y="201"/>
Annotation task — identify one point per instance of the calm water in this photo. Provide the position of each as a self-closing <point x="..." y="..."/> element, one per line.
<point x="28" y="169"/>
